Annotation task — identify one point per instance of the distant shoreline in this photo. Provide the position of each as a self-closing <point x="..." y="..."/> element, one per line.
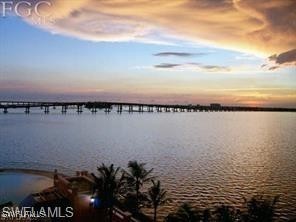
<point x="44" y="173"/>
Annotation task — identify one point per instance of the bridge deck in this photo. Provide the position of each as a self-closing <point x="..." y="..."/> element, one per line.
<point x="141" y="107"/>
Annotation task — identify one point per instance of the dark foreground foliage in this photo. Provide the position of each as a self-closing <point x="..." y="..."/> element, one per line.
<point x="129" y="189"/>
<point x="257" y="209"/>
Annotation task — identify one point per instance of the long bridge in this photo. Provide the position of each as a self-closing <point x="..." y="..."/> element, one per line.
<point x="120" y="107"/>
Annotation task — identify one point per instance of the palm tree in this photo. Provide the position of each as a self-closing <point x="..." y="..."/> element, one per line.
<point x="156" y="197"/>
<point x="226" y="213"/>
<point x="185" y="213"/>
<point x="260" y="209"/>
<point x="136" y="177"/>
<point x="206" y="215"/>
<point x="109" y="185"/>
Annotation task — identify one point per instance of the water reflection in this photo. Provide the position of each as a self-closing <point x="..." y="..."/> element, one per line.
<point x="205" y="158"/>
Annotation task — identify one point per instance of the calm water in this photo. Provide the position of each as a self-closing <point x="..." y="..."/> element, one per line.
<point x="203" y="158"/>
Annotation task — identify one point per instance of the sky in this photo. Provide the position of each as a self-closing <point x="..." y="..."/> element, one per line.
<point x="233" y="52"/>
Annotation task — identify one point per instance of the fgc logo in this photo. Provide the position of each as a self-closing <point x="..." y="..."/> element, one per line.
<point x="35" y="10"/>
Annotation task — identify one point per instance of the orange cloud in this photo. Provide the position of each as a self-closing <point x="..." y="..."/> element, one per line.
<point x="264" y="27"/>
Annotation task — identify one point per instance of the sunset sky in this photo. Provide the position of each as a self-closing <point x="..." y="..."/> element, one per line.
<point x="239" y="52"/>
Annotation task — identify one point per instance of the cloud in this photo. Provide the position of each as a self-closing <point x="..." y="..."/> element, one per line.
<point x="273" y="67"/>
<point x="284" y="59"/>
<point x="212" y="68"/>
<point x="167" y="65"/>
<point x="264" y="27"/>
<point x="288" y="57"/>
<point x="179" y="54"/>
<point x="194" y="67"/>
